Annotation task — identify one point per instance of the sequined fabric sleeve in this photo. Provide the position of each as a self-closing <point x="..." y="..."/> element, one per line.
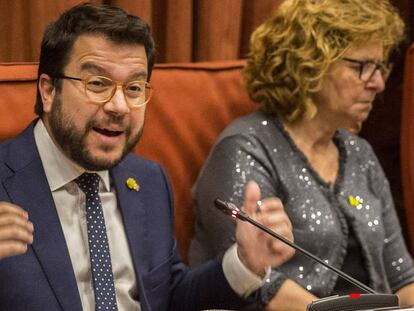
<point x="398" y="263"/>
<point x="234" y="161"/>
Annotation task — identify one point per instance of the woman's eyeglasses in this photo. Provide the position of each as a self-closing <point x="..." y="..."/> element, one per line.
<point x="367" y="68"/>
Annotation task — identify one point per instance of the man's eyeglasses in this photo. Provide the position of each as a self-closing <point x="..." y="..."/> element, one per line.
<point x="367" y="68"/>
<point x="100" y="90"/>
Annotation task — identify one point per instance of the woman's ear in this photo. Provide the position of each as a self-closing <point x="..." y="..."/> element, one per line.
<point x="47" y="92"/>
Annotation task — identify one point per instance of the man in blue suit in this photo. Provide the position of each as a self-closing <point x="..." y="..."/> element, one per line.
<point x="93" y="88"/>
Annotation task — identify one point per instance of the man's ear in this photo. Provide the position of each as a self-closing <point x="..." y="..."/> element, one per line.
<point x="47" y="91"/>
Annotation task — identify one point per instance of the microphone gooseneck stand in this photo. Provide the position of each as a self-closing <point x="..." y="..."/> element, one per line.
<point x="337" y="303"/>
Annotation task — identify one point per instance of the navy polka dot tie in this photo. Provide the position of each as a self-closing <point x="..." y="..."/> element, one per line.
<point x="103" y="280"/>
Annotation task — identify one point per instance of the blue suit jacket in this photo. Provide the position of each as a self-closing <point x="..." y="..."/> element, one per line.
<point x="43" y="278"/>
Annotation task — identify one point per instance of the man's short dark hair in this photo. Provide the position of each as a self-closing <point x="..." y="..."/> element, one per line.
<point x="87" y="18"/>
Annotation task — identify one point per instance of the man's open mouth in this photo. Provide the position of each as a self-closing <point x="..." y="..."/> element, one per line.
<point x="107" y="132"/>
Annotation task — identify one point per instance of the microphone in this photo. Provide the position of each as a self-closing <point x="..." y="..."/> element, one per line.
<point x="337" y="303"/>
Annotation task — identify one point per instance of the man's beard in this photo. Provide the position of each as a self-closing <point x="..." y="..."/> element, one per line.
<point x="73" y="141"/>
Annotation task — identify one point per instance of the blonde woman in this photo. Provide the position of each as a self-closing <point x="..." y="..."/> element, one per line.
<point x="314" y="68"/>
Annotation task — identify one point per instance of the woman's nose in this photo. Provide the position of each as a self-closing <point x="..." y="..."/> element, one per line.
<point x="377" y="82"/>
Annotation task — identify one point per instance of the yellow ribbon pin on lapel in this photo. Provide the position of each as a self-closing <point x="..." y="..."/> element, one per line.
<point x="132" y="184"/>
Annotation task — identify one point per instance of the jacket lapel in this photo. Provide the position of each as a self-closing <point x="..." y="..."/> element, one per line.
<point x="27" y="187"/>
<point x="133" y="213"/>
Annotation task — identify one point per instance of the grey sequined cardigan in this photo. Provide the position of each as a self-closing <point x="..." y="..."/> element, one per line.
<point x="256" y="147"/>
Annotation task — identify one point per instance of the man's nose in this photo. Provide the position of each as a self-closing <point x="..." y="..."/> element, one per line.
<point x="118" y="103"/>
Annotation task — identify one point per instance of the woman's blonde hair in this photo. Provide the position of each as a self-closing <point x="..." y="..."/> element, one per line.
<point x="291" y="52"/>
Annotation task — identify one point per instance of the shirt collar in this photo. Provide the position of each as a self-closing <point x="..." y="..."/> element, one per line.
<point x="59" y="169"/>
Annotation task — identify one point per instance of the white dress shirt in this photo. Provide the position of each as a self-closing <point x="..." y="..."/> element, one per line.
<point x="70" y="204"/>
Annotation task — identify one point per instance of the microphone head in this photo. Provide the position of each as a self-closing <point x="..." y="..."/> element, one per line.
<point x="230" y="209"/>
<point x="222" y="206"/>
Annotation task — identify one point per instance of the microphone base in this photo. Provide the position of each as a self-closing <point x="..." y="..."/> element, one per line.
<point x="354" y="302"/>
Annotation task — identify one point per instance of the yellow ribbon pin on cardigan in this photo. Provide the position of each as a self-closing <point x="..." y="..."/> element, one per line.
<point x="132" y="184"/>
<point x="355" y="201"/>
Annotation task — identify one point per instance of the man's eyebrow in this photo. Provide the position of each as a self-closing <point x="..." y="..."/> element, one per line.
<point x="141" y="75"/>
<point x="96" y="69"/>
